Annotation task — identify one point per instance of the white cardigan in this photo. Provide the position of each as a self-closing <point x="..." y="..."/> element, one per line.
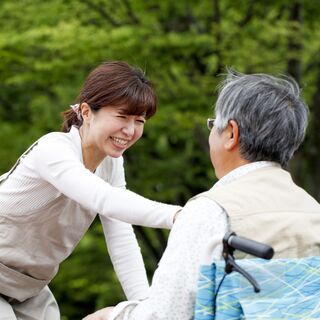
<point x="55" y="166"/>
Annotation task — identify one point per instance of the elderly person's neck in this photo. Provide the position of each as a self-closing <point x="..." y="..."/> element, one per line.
<point x="232" y="162"/>
<point x="231" y="168"/>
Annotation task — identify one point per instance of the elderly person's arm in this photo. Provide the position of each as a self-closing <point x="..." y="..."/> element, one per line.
<point x="195" y="237"/>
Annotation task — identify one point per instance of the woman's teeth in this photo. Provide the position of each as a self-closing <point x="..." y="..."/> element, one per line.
<point x="120" y="141"/>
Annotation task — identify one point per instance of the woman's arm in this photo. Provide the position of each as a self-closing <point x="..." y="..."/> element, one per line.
<point x="58" y="164"/>
<point x="126" y="258"/>
<point x="194" y="238"/>
<point x="121" y="241"/>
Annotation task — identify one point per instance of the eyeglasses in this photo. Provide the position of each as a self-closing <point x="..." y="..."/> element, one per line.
<point x="210" y="123"/>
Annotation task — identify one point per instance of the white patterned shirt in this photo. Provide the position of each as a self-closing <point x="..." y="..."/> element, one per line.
<point x="195" y="239"/>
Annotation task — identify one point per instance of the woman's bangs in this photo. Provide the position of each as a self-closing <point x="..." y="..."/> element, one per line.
<point x="140" y="102"/>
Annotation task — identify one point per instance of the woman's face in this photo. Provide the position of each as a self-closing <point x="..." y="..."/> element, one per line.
<point x="109" y="131"/>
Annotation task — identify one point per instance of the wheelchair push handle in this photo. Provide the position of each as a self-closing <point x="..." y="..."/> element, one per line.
<point x="252" y="247"/>
<point x="232" y="242"/>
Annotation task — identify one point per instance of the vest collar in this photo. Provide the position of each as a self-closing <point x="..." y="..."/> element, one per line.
<point x="240" y="171"/>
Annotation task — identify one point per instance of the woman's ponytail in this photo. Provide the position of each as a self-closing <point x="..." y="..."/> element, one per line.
<point x="70" y="118"/>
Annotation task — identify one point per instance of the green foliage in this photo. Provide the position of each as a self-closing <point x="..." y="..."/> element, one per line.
<point x="48" y="47"/>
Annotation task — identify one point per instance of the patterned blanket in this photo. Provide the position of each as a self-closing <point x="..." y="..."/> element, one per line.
<point x="290" y="289"/>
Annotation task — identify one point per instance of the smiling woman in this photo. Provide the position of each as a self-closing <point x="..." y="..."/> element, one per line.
<point x="107" y="132"/>
<point x="52" y="194"/>
<point x="115" y="84"/>
<point x="112" y="107"/>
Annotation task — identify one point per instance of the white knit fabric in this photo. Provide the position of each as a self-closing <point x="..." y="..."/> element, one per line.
<point x="54" y="167"/>
<point x="195" y="239"/>
<point x="199" y="228"/>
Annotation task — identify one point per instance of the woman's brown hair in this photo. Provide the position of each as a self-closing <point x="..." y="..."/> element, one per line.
<point x="114" y="84"/>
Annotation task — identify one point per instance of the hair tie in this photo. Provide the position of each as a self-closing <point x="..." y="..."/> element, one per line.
<point x="76" y="109"/>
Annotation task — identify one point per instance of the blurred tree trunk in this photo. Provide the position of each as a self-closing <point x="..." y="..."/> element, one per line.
<point x="294" y="69"/>
<point x="217" y="33"/>
<point x="313" y="150"/>
<point x="308" y="175"/>
<point x="295" y="42"/>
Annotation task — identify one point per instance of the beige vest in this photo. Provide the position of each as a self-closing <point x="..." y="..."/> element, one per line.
<point x="266" y="205"/>
<point x="33" y="245"/>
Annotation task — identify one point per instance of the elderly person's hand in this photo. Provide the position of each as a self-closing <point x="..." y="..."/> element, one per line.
<point x="102" y="314"/>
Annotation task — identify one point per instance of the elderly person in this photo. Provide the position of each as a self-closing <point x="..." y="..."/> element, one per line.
<point x="260" y="122"/>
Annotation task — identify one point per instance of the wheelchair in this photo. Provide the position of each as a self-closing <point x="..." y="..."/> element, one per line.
<point x="258" y="288"/>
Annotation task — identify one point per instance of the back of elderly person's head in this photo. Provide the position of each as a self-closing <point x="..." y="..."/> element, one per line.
<point x="269" y="111"/>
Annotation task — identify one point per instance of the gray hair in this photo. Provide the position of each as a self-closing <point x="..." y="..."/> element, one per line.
<point x="269" y="111"/>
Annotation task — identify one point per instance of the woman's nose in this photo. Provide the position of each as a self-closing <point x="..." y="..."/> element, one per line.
<point x="129" y="128"/>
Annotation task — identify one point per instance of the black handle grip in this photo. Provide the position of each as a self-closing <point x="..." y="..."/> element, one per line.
<point x="255" y="248"/>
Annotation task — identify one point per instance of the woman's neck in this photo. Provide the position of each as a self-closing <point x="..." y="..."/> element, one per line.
<point x="91" y="157"/>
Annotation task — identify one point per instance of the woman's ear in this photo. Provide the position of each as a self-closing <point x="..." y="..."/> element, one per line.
<point x="85" y="111"/>
<point x="233" y="135"/>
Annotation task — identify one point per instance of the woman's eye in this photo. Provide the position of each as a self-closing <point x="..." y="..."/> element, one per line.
<point x="141" y="121"/>
<point x="121" y="116"/>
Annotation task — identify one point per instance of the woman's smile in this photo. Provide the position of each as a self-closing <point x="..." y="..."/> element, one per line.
<point x="119" y="141"/>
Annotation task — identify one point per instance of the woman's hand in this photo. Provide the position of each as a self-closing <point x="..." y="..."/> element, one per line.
<point x="102" y="314"/>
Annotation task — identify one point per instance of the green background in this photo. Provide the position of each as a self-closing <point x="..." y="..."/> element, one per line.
<point x="48" y="47"/>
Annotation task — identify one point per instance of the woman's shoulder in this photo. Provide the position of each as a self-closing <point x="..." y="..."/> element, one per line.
<point x="55" y="144"/>
<point x="71" y="138"/>
<point x="57" y="136"/>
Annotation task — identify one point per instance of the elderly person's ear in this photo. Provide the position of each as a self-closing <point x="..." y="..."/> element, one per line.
<point x="232" y="135"/>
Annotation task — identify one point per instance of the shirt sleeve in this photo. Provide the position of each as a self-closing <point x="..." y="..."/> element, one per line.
<point x="58" y="163"/>
<point x="195" y="237"/>
<point x="121" y="241"/>
<point x="126" y="258"/>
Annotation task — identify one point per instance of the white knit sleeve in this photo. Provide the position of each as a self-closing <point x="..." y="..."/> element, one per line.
<point x="126" y="258"/>
<point x="58" y="164"/>
<point x="195" y="237"/>
<point x="121" y="241"/>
